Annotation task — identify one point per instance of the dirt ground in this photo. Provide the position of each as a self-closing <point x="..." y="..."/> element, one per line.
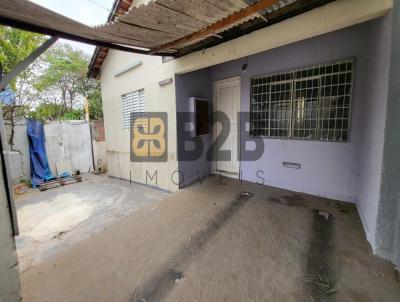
<point x="52" y="221"/>
<point x="212" y="242"/>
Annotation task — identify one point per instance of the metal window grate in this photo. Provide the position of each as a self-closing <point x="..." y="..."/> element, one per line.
<point x="310" y="103"/>
<point x="133" y="103"/>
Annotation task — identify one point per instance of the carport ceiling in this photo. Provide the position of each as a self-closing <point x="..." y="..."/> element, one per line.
<point x="161" y="27"/>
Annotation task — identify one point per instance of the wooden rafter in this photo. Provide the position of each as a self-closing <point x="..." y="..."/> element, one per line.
<point x="218" y="26"/>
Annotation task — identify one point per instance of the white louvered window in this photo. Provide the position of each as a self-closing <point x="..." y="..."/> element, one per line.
<point x="133" y="103"/>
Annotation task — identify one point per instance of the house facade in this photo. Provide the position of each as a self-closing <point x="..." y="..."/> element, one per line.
<point x="313" y="91"/>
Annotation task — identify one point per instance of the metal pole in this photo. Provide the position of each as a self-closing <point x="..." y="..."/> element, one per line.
<point x="21" y="66"/>
<point x="6" y="181"/>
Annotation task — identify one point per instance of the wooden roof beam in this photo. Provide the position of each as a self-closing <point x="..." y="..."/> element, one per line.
<point x="218" y="26"/>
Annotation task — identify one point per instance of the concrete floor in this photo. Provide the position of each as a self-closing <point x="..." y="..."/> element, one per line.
<point x="210" y="242"/>
<point x="55" y="220"/>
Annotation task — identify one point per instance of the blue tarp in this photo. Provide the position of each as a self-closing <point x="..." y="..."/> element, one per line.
<point x="7" y="96"/>
<point x="40" y="170"/>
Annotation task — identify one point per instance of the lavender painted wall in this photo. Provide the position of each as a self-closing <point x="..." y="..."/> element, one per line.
<point x="194" y="84"/>
<point x="388" y="222"/>
<point x="345" y="171"/>
<point x="327" y="169"/>
<point x="374" y="108"/>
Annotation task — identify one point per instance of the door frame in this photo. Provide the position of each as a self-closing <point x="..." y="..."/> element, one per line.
<point x="214" y="129"/>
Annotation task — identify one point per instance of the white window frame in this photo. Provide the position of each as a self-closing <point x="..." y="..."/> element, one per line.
<point x="133" y="102"/>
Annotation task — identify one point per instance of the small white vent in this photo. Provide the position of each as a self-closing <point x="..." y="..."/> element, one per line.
<point x="287" y="164"/>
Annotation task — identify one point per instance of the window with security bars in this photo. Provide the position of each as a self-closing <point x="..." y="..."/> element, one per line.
<point x="311" y="103"/>
<point x="133" y="105"/>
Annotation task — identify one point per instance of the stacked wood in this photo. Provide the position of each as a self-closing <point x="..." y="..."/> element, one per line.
<point x="62" y="181"/>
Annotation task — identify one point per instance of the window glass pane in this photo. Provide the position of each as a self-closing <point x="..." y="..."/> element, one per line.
<point x="305" y="107"/>
<point x="312" y="103"/>
<point x="280" y="102"/>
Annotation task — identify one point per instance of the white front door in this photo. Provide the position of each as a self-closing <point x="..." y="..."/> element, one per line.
<point x="227" y="100"/>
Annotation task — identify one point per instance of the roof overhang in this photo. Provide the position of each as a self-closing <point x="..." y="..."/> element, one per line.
<point x="161" y="27"/>
<point x="249" y="17"/>
<point x="119" y="8"/>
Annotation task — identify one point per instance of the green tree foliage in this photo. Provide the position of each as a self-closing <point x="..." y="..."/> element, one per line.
<point x="74" y="114"/>
<point x="63" y="81"/>
<point x="95" y="105"/>
<point x="45" y="112"/>
<point x="55" y="85"/>
<point x="51" y="112"/>
<point x="16" y="45"/>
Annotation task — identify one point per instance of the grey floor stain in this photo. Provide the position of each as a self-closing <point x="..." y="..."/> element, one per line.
<point x="159" y="285"/>
<point x="291" y="201"/>
<point x="319" y="280"/>
<point x="295" y="201"/>
<point x="274" y="200"/>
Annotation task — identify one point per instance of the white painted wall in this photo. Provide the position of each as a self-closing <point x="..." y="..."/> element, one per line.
<point x="18" y="156"/>
<point x="145" y="76"/>
<point x="100" y="155"/>
<point x="68" y="142"/>
<point x="9" y="271"/>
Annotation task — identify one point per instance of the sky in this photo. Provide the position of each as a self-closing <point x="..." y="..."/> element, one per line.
<point x="89" y="12"/>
